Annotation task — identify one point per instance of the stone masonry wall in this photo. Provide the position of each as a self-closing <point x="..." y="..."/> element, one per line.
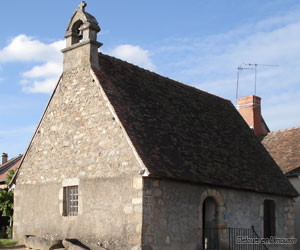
<point x="295" y="180"/>
<point x="173" y="214"/>
<point x="80" y="142"/>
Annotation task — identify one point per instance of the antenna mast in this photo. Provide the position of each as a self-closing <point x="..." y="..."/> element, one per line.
<point x="250" y="66"/>
<point x="255" y="71"/>
<point x="240" y="68"/>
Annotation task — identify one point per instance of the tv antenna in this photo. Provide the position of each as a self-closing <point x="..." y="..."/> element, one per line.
<point x="240" y="68"/>
<point x="250" y="66"/>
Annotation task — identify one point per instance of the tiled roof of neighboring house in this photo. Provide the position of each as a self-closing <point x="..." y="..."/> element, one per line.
<point x="284" y="147"/>
<point x="294" y="172"/>
<point x="186" y="134"/>
<point x="12" y="164"/>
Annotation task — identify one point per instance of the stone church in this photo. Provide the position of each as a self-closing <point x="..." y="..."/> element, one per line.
<point x="126" y="159"/>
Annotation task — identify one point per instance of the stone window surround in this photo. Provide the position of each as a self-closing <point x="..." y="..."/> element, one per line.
<point x="220" y="203"/>
<point x="67" y="183"/>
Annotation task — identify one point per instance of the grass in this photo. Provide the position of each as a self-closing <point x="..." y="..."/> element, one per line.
<point x="7" y="242"/>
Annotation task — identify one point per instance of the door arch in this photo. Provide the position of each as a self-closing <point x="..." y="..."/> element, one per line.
<point x="212" y="201"/>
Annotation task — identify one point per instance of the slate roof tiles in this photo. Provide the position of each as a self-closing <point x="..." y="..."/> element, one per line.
<point x="186" y="134"/>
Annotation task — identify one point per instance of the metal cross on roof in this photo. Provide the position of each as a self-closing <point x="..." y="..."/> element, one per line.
<point x="82" y="5"/>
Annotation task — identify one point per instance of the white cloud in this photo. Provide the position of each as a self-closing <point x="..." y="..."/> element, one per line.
<point x="211" y="64"/>
<point x="23" y="48"/>
<point x="41" y="86"/>
<point x="15" y="140"/>
<point x="282" y="110"/>
<point x="43" y="77"/>
<point x="17" y="131"/>
<point x="45" y="70"/>
<point x="133" y="54"/>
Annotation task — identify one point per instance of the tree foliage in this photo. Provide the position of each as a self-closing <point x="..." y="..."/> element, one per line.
<point x="6" y="198"/>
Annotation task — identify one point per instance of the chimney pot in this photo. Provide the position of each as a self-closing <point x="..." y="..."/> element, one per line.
<point x="4" y="158"/>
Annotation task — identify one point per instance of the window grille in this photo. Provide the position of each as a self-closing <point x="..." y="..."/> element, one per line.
<point x="70" y="201"/>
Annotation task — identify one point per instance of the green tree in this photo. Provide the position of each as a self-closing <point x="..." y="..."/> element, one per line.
<point x="7" y="200"/>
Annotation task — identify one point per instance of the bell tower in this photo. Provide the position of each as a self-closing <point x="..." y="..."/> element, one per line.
<point x="81" y="40"/>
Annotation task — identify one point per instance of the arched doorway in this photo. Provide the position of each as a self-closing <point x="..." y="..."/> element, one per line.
<point x="210" y="223"/>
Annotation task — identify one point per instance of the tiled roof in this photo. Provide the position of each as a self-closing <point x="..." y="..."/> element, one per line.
<point x="186" y="134"/>
<point x="284" y="147"/>
<point x="12" y="164"/>
<point x="294" y="172"/>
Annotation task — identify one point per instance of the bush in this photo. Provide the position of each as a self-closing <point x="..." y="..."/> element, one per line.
<point x="9" y="232"/>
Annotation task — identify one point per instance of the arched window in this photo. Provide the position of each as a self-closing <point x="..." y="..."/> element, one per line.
<point x="269" y="218"/>
<point x="77" y="32"/>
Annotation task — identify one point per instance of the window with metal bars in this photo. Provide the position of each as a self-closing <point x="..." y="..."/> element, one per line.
<point x="70" y="201"/>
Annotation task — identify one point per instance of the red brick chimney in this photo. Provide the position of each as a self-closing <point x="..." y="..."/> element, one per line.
<point x="249" y="109"/>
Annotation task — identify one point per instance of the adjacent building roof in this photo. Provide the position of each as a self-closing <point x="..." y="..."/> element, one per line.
<point x="284" y="147"/>
<point x="12" y="164"/>
<point x="186" y="134"/>
<point x="294" y="172"/>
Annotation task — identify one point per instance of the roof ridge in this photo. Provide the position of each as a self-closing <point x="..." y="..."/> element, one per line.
<point x="175" y="81"/>
<point x="11" y="160"/>
<point x="284" y="130"/>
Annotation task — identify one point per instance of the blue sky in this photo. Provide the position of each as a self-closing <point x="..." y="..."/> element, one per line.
<point x="197" y="42"/>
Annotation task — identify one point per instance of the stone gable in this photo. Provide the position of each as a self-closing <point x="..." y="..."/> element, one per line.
<point x="79" y="141"/>
<point x="78" y="136"/>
